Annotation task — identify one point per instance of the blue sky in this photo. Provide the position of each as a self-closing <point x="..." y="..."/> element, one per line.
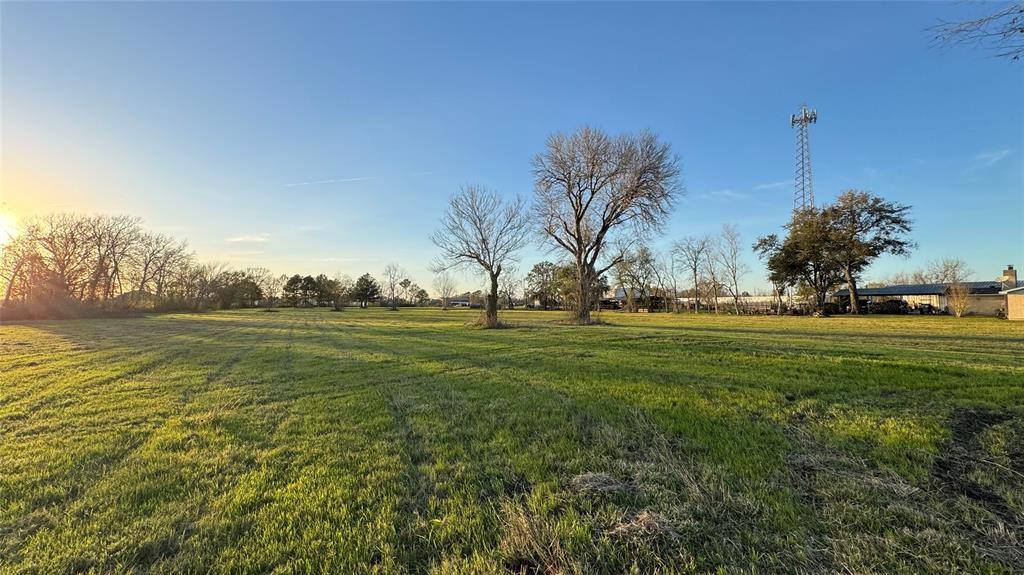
<point x="326" y="137"/>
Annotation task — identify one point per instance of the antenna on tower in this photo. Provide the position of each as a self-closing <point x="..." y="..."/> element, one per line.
<point x="804" y="196"/>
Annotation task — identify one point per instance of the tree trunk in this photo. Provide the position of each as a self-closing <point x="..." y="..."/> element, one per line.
<point x="852" y="285"/>
<point x="10" y="285"/>
<point x="583" y="294"/>
<point x="491" y="309"/>
<point x="696" y="293"/>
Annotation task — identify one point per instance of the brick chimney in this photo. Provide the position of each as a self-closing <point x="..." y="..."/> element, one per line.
<point x="1009" y="278"/>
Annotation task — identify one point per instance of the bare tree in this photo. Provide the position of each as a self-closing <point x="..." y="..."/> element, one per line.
<point x="711" y="272"/>
<point x="111" y="238"/>
<point x="508" y="286"/>
<point x="153" y="258"/>
<point x="481" y="230"/>
<point x="671" y="270"/>
<point x="692" y="252"/>
<point x="917" y="277"/>
<point x="393" y="274"/>
<point x="62" y="243"/>
<point x="262" y="278"/>
<point x="660" y="273"/>
<point x="634" y="274"/>
<point x="729" y="256"/>
<point x="444" y="284"/>
<point x="21" y="267"/>
<point x="1001" y="32"/>
<point x="948" y="270"/>
<point x="272" y="289"/>
<point x="343" y="288"/>
<point x="593" y="189"/>
<point x="957" y="297"/>
<point x="62" y="264"/>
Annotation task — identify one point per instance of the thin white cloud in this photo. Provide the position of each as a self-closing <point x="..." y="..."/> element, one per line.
<point x="987" y="159"/>
<point x="335" y="181"/>
<point x="726" y="195"/>
<point x="773" y="185"/>
<point x="249" y="239"/>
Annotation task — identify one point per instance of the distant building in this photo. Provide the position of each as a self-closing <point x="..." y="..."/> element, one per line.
<point x="986" y="298"/>
<point x="1014" y="305"/>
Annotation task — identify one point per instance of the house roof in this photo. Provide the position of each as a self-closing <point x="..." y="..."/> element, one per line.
<point x="978" y="288"/>
<point x="1013" y="290"/>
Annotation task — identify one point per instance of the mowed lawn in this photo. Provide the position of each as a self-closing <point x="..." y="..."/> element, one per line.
<point x="369" y="441"/>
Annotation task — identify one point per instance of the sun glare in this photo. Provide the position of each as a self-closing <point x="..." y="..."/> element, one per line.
<point x="8" y="227"/>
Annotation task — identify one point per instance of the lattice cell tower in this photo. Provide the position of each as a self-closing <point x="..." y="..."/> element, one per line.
<point x="804" y="196"/>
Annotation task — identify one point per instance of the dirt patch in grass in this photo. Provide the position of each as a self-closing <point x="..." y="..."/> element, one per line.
<point x="871" y="516"/>
<point x="961" y="456"/>
<point x="516" y="485"/>
<point x="521" y="566"/>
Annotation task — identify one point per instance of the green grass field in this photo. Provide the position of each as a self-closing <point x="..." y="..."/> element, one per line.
<point x="370" y="441"/>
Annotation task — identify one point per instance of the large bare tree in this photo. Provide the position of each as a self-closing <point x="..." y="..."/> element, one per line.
<point x="63" y="245"/>
<point x="594" y="190"/>
<point x="480" y="230"/>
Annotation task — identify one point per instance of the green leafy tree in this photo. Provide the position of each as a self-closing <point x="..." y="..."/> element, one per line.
<point x="540" y="285"/>
<point x="366" y="290"/>
<point x="405" y="290"/>
<point x="780" y="273"/>
<point x="326" y="290"/>
<point x="420" y="296"/>
<point x="292" y="290"/>
<point x="803" y="256"/>
<point x="308" y="290"/>
<point x="862" y="227"/>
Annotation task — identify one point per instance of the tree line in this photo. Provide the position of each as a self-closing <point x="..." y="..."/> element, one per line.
<point x="68" y="265"/>
<point x="598" y="199"/>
